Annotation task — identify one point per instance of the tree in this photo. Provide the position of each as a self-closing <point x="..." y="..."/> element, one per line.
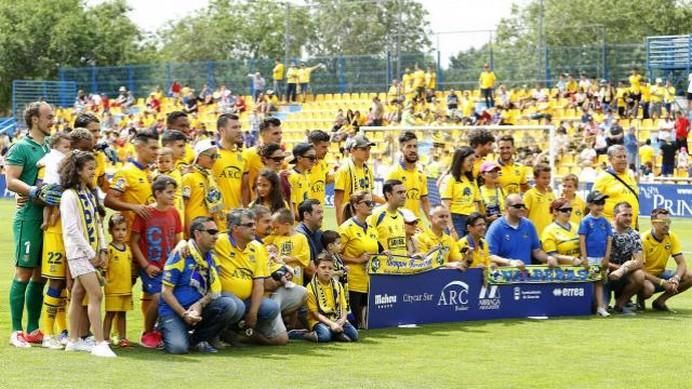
<point x="38" y="37"/>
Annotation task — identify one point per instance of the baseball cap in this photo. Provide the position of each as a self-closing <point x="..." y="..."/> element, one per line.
<point x="409" y="217"/>
<point x="358" y="141"/>
<point x="595" y="196"/>
<point x="203" y="146"/>
<point x="298" y="150"/>
<point x="489" y="166"/>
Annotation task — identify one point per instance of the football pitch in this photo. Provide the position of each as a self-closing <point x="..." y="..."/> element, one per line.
<point x="649" y="350"/>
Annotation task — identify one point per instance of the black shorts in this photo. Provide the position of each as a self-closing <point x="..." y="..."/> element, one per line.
<point x="357" y="299"/>
<point x="689" y="95"/>
<point x="616" y="286"/>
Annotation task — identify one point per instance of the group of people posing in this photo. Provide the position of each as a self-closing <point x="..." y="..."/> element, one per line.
<point x="228" y="243"/>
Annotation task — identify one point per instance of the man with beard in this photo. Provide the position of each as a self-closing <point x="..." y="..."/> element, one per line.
<point x="230" y="169"/>
<point x="178" y="121"/>
<point x="514" y="177"/>
<point x="411" y="175"/>
<point x="319" y="174"/>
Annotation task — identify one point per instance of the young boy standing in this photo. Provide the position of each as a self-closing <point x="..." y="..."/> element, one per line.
<point x="294" y="249"/>
<point x="595" y="240"/>
<point x="327" y="308"/>
<point x="538" y="198"/>
<point x="152" y="240"/>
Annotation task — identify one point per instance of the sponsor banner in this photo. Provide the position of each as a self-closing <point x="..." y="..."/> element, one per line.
<point x="536" y="274"/>
<point x="449" y="295"/>
<point x="402" y="265"/>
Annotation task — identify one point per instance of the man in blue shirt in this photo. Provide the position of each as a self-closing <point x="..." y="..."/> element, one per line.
<point x="311" y="214"/>
<point x="513" y="236"/>
<point x="191" y="294"/>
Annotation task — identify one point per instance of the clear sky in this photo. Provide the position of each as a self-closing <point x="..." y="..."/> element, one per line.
<point x="444" y="16"/>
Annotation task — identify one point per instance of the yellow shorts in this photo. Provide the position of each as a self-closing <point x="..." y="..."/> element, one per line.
<point x="122" y="303"/>
<point x="53" y="261"/>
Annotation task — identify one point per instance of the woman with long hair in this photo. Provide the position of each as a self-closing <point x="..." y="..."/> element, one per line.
<point x="459" y="192"/>
<point x="268" y="191"/>
<point x="359" y="243"/>
<point x="85" y="248"/>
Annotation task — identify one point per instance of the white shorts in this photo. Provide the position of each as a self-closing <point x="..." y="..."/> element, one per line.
<point x="594" y="260"/>
<point x="80" y="266"/>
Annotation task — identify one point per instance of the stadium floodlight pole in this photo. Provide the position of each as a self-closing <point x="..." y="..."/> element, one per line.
<point x="287" y="25"/>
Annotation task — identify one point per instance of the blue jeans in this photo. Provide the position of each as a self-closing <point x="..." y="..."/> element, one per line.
<point x="268" y="310"/>
<point x="216" y="316"/>
<point x="459" y="222"/>
<point x="325" y="334"/>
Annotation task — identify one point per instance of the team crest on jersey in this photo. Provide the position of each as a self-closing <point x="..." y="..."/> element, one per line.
<point x="186" y="191"/>
<point x="375" y="264"/>
<point x="667" y="246"/>
<point x="120" y="184"/>
<point x="467" y="191"/>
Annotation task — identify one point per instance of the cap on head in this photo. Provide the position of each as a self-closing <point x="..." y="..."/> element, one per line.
<point x="299" y="150"/>
<point x="489" y="166"/>
<point x="358" y="141"/>
<point x="203" y="146"/>
<point x="595" y="196"/>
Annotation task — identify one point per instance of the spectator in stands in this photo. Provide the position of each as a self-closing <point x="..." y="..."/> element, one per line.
<point x="304" y="74"/>
<point x="514" y="237"/>
<point x="452" y="101"/>
<point x="659" y="244"/>
<point x="616" y="134"/>
<point x="174" y="90"/>
<point x="683" y="163"/>
<point x="258" y="84"/>
<point x="278" y="77"/>
<point x="626" y="277"/>
<point x="487" y="84"/>
<point x="190" y="103"/>
<point x="668" y="152"/>
<point x="292" y="79"/>
<point x="689" y="93"/>
<point x="354" y="175"/>
<point x="377" y="112"/>
<point x="682" y="129"/>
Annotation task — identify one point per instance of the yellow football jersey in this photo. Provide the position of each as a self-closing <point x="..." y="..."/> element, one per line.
<point x="100" y="171"/>
<point x="318" y="181"/>
<point x="538" y="205"/>
<point x="194" y="192"/>
<point x="189" y="156"/>
<point x="493" y="200"/>
<point x="463" y="194"/>
<point x="228" y="171"/>
<point x="239" y="268"/>
<point x="657" y="253"/>
<point x="300" y="186"/>
<point x="391" y="230"/>
<point x="357" y="239"/>
<point x="578" y="208"/>
<point x="351" y="178"/>
<point x="53" y="259"/>
<point x="427" y="240"/>
<point x="329" y="303"/>
<point x="416" y="184"/>
<point x="134" y="182"/>
<point x="253" y="165"/>
<point x="119" y="271"/>
<point x="295" y="246"/>
<point x="617" y="192"/>
<point x="278" y="72"/>
<point x="512" y="177"/>
<point x="556" y="238"/>
<point x="480" y="254"/>
<point x="487" y="80"/>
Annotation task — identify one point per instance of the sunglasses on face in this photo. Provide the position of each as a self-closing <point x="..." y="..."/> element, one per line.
<point x="518" y="206"/>
<point x="212" y="156"/>
<point x="599" y="202"/>
<point x="211" y="231"/>
<point x="565" y="210"/>
<point x="310" y="157"/>
<point x="369" y="203"/>
<point x="664" y="222"/>
<point x="277" y="159"/>
<point x="247" y="225"/>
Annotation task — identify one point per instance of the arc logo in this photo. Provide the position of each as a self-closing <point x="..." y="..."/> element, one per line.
<point x="454" y="294"/>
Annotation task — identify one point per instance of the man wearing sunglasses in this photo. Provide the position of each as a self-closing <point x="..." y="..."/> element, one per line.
<point x="660" y="243"/>
<point x="304" y="157"/>
<point x="514" y="237"/>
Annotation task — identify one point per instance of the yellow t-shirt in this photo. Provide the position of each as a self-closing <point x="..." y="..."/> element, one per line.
<point x="228" y="173"/>
<point x="427" y="240"/>
<point x="418" y="79"/>
<point x="578" y="208"/>
<point x="329" y="303"/>
<point x="480" y="254"/>
<point x="391" y="230"/>
<point x="617" y="192"/>
<point x="239" y="268"/>
<point x="189" y="156"/>
<point x="406" y="81"/>
<point x="658" y="93"/>
<point x="295" y="246"/>
<point x="572" y="86"/>
<point x="100" y="170"/>
<point x="656" y="254"/>
<point x="538" y="205"/>
<point x="304" y="75"/>
<point x="293" y="75"/>
<point x="356" y="240"/>
<point x="278" y="72"/>
<point x="351" y="179"/>
<point x="487" y="80"/>
<point x="299" y="183"/>
<point x="194" y="193"/>
<point x="253" y="165"/>
<point x="669" y="94"/>
<point x="635" y="83"/>
<point x="557" y="239"/>
<point x="119" y="271"/>
<point x="646" y="154"/>
<point x="463" y="194"/>
<point x="135" y="185"/>
<point x="646" y="93"/>
<point x="493" y="200"/>
<point x="125" y="152"/>
<point x="512" y="176"/>
<point x="318" y="180"/>
<point x="416" y="184"/>
<point x="431" y="80"/>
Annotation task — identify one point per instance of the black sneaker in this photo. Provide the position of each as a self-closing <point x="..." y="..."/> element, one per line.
<point x="341" y="337"/>
<point x="311" y="336"/>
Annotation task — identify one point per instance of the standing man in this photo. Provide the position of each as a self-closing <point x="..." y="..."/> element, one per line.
<point x="482" y="142"/>
<point x="178" y="121"/>
<point x="278" y="77"/>
<point x="304" y="74"/>
<point x="292" y="79"/>
<point x="513" y="175"/>
<point x="354" y="174"/>
<point x="514" y="237"/>
<point x="682" y="130"/>
<point x="230" y="169"/>
<point x="388" y="219"/>
<point x="411" y="175"/>
<point x="618" y="184"/>
<point x="311" y="215"/>
<point x="319" y="174"/>
<point x="487" y="84"/>
<point x="26" y="290"/>
<point x="626" y="261"/>
<point x="270" y="132"/>
<point x="660" y="243"/>
<point x="304" y="157"/>
<point x="91" y="122"/>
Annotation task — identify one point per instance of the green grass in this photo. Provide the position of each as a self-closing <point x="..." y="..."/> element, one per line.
<point x="644" y="351"/>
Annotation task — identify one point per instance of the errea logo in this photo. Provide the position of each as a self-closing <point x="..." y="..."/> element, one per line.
<point x="568" y="292"/>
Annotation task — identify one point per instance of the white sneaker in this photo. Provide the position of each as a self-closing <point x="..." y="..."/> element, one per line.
<point x="63" y="338"/>
<point x="602" y="312"/>
<point x="102" y="349"/>
<point x="90" y="340"/>
<point x="78" y="345"/>
<point x="51" y="342"/>
<point x="17" y="340"/>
